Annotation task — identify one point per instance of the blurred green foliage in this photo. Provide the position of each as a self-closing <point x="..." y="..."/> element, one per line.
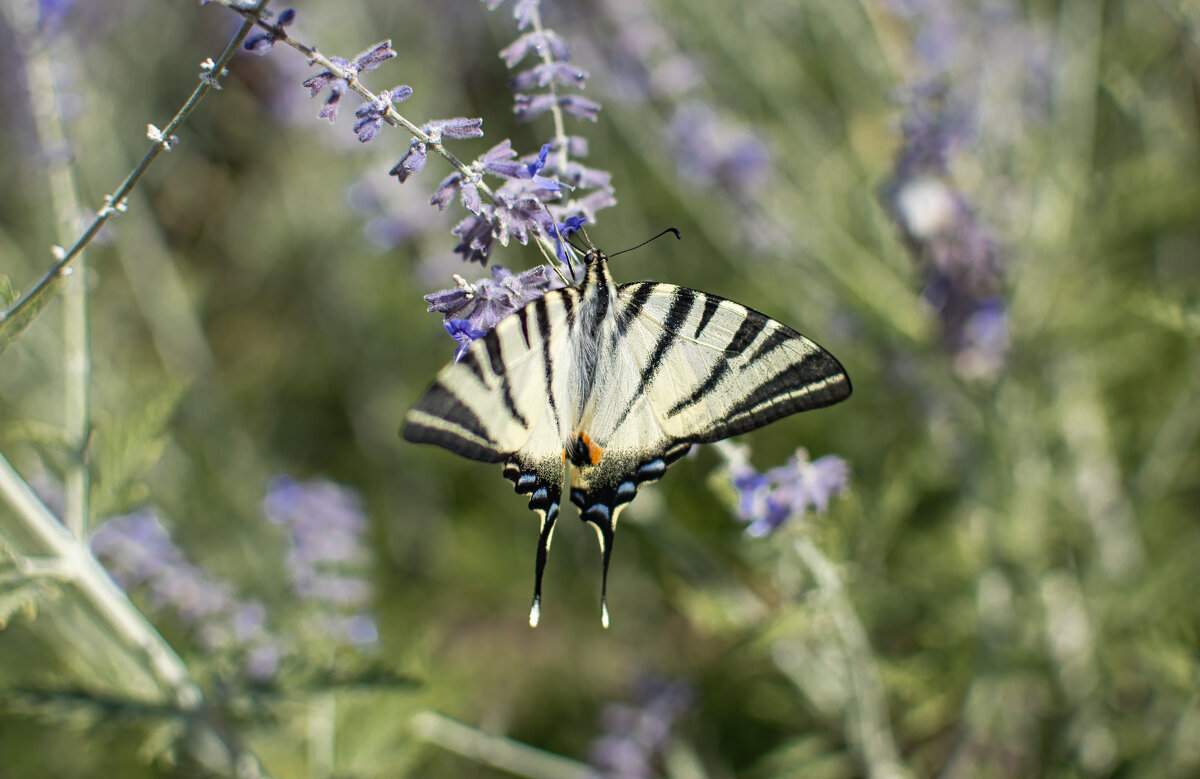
<point x="1020" y="550"/>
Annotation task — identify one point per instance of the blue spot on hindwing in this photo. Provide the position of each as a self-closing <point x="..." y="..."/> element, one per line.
<point x="651" y="471"/>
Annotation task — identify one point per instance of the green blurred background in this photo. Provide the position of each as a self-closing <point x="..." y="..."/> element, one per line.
<point x="1018" y="547"/>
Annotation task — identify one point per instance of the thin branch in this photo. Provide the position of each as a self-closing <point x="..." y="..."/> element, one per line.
<point x="14" y="321"/>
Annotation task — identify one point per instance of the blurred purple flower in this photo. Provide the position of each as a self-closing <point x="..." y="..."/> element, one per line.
<point x="957" y="254"/>
<point x="529" y="107"/>
<point x="138" y="552"/>
<point x="548" y="73"/>
<point x="535" y="42"/>
<point x="713" y="152"/>
<point x="327" y="554"/>
<point x="636" y="737"/>
<point x="766" y="501"/>
<point x="579" y="107"/>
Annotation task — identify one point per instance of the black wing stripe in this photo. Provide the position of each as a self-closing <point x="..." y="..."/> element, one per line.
<point x="496" y="359"/>
<point x="710" y="383"/>
<point x="682" y="303"/>
<point x="779" y="335"/>
<point x="471" y="362"/>
<point x="542" y="320"/>
<point x="711" y="304"/>
<point x="752" y="324"/>
<point x="816" y="381"/>
<point x="447" y="438"/>
<point x="638" y="294"/>
<point x="523" y="319"/>
<point x="440" y="402"/>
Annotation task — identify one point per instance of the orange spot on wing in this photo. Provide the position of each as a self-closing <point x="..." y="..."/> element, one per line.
<point x="595" y="451"/>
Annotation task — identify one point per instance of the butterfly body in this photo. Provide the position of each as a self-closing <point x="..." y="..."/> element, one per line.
<point x="613" y="384"/>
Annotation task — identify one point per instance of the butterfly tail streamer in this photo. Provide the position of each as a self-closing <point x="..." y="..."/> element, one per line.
<point x="549" y="516"/>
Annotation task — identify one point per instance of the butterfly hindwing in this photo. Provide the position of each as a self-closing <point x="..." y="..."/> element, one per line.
<point x="506" y="400"/>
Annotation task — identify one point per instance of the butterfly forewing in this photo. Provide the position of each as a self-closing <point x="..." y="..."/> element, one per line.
<point x="729" y="369"/>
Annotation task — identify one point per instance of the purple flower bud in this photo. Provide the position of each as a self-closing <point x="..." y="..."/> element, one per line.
<point x="523" y="11"/>
<point x="458" y="127"/>
<point x="261" y="43"/>
<point x="577" y="146"/>
<point x="534" y="42"/>
<point x="579" y="107"/>
<point x="546" y="73"/>
<point x="446" y="190"/>
<point x="410" y="163"/>
<point x="374" y="56"/>
<point x="478" y="238"/>
<point x="529" y="107"/>
<point x="337" y="88"/>
<point x="469" y="197"/>
<point x="595" y="201"/>
<point x="498" y="161"/>
<point x="587" y="178"/>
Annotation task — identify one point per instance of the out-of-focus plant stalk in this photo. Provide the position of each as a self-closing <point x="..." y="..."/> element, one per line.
<point x="496" y="751"/>
<point x="64" y="200"/>
<point x="77" y="566"/>
<point x="870" y="730"/>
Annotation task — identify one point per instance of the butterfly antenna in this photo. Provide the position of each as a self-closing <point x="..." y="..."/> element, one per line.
<point x="678" y="237"/>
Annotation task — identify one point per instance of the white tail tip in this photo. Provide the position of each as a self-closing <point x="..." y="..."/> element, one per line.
<point x="604" y="615"/>
<point x="535" y="614"/>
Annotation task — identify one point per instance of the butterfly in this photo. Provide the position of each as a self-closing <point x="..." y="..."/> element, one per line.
<point x="616" y="383"/>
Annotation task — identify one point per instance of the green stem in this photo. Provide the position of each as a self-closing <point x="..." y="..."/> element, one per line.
<point x="496" y="751"/>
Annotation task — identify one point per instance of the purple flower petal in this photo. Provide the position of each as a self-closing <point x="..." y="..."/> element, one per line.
<point x="463" y="332"/>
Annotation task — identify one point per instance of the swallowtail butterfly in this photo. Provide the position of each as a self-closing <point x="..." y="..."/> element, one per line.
<point x="615" y="383"/>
